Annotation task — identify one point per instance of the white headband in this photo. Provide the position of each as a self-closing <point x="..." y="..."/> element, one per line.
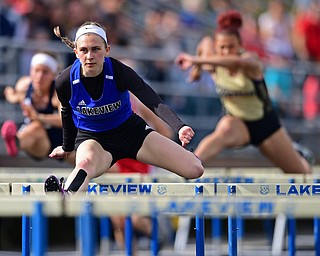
<point x="91" y="29"/>
<point x="45" y="59"/>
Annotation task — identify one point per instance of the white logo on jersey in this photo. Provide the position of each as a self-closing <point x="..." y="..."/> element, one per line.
<point x="82" y="103"/>
<point x="148" y="127"/>
<point x="76" y="81"/>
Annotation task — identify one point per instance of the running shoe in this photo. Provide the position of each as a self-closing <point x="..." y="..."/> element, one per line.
<point x="53" y="184"/>
<point x="8" y="133"/>
<point x="305" y="153"/>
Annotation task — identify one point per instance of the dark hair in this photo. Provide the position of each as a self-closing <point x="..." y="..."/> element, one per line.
<point x="229" y="22"/>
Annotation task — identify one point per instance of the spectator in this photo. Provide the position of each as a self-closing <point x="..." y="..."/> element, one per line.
<point x="275" y="26"/>
<point x="41" y="130"/>
<point x="306" y="41"/>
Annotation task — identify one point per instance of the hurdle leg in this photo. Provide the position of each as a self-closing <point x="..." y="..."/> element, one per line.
<point x="25" y="236"/>
<point x="232" y="226"/>
<point x="199" y="226"/>
<point x="291" y="236"/>
<point x="278" y="236"/>
<point x="154" y="239"/>
<point x="200" y="235"/>
<point x="291" y="232"/>
<point x="26" y="228"/>
<point x="316" y="231"/>
<point x="39" y="231"/>
<point x="232" y="236"/>
<point x="87" y="230"/>
<point x="128" y="232"/>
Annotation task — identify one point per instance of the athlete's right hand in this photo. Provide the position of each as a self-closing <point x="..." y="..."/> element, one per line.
<point x="184" y="60"/>
<point x="58" y="152"/>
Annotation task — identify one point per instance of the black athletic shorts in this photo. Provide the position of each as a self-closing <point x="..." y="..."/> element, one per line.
<point x="123" y="141"/>
<point x="263" y="128"/>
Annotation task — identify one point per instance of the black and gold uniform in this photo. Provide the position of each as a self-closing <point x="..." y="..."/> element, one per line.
<point x="248" y="100"/>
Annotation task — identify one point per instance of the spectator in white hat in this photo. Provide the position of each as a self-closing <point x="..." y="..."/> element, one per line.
<point x="41" y="129"/>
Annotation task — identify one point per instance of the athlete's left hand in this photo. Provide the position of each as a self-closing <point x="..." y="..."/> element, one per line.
<point x="185" y="135"/>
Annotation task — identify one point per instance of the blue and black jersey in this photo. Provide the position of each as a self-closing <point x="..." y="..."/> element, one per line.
<point x="98" y="105"/>
<point x="102" y="114"/>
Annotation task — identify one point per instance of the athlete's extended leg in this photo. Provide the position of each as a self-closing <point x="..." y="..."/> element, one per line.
<point x="279" y="150"/>
<point x="160" y="151"/>
<point x="229" y="132"/>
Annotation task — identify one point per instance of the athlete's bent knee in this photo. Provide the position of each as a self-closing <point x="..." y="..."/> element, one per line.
<point x="85" y="164"/>
<point x="196" y="170"/>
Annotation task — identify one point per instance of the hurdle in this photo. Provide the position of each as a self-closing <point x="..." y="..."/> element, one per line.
<point x="89" y="206"/>
<point x="286" y="190"/>
<point x="152" y="189"/>
<point x="129" y="189"/>
<point x="133" y="189"/>
<point x="18" y="206"/>
<point x="211" y="175"/>
<point x="209" y="190"/>
<point x="235" y="175"/>
<point x="223" y="175"/>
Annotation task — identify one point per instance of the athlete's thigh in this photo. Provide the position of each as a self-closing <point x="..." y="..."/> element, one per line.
<point x="94" y="156"/>
<point x="233" y="131"/>
<point x="34" y="139"/>
<point x="160" y="151"/>
<point x="32" y="132"/>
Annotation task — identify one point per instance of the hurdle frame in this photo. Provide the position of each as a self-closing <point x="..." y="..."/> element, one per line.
<point x="305" y="176"/>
